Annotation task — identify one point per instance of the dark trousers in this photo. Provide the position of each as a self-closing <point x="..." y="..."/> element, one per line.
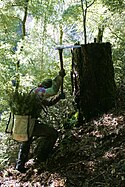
<point x="50" y="136"/>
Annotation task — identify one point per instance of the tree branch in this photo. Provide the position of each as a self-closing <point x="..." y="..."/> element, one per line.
<point x="116" y="34"/>
<point x="91" y="4"/>
<point x="24" y="19"/>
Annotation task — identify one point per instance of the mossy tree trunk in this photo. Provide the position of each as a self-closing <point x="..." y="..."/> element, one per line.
<point x="93" y="79"/>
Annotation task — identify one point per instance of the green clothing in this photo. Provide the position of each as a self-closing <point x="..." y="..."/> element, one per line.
<point x="43" y="94"/>
<point x="48" y="92"/>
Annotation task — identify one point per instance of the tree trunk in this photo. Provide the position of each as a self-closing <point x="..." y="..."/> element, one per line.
<point x="93" y="79"/>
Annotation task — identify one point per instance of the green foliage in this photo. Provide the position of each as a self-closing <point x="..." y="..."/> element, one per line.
<point x="72" y="13"/>
<point x="19" y="103"/>
<point x="115" y="5"/>
<point x="9" y="147"/>
<point x="23" y="102"/>
<point x="8" y="151"/>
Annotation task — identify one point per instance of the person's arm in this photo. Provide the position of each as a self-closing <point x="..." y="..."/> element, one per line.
<point x="53" y="90"/>
<point x="54" y="100"/>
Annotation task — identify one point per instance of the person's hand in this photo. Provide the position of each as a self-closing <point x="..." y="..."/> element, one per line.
<point x="62" y="96"/>
<point x="62" y="73"/>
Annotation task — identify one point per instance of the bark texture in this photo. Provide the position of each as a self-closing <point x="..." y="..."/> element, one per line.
<point x="93" y="79"/>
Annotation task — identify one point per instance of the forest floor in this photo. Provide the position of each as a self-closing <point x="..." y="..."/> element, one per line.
<point x="92" y="155"/>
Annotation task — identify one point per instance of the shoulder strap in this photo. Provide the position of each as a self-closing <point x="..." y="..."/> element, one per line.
<point x="7" y="126"/>
<point x="44" y="108"/>
<point x="32" y="90"/>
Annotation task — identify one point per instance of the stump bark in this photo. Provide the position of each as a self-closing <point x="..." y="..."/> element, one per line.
<point x="93" y="79"/>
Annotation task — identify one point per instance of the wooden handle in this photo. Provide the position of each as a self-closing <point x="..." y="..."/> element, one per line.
<point x="61" y="66"/>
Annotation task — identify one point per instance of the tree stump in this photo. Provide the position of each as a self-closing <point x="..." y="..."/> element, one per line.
<point x="93" y="79"/>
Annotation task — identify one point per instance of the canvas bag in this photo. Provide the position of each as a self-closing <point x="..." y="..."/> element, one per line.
<point x="21" y="127"/>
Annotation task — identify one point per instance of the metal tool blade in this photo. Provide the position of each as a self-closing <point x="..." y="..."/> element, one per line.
<point x="67" y="47"/>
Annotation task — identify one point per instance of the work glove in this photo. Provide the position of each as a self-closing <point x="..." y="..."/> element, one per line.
<point x="62" y="96"/>
<point x="62" y="73"/>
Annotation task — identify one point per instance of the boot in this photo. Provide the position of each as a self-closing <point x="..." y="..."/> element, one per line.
<point x="23" y="157"/>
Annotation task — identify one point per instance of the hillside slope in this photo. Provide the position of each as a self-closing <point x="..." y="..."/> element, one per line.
<point x="92" y="155"/>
